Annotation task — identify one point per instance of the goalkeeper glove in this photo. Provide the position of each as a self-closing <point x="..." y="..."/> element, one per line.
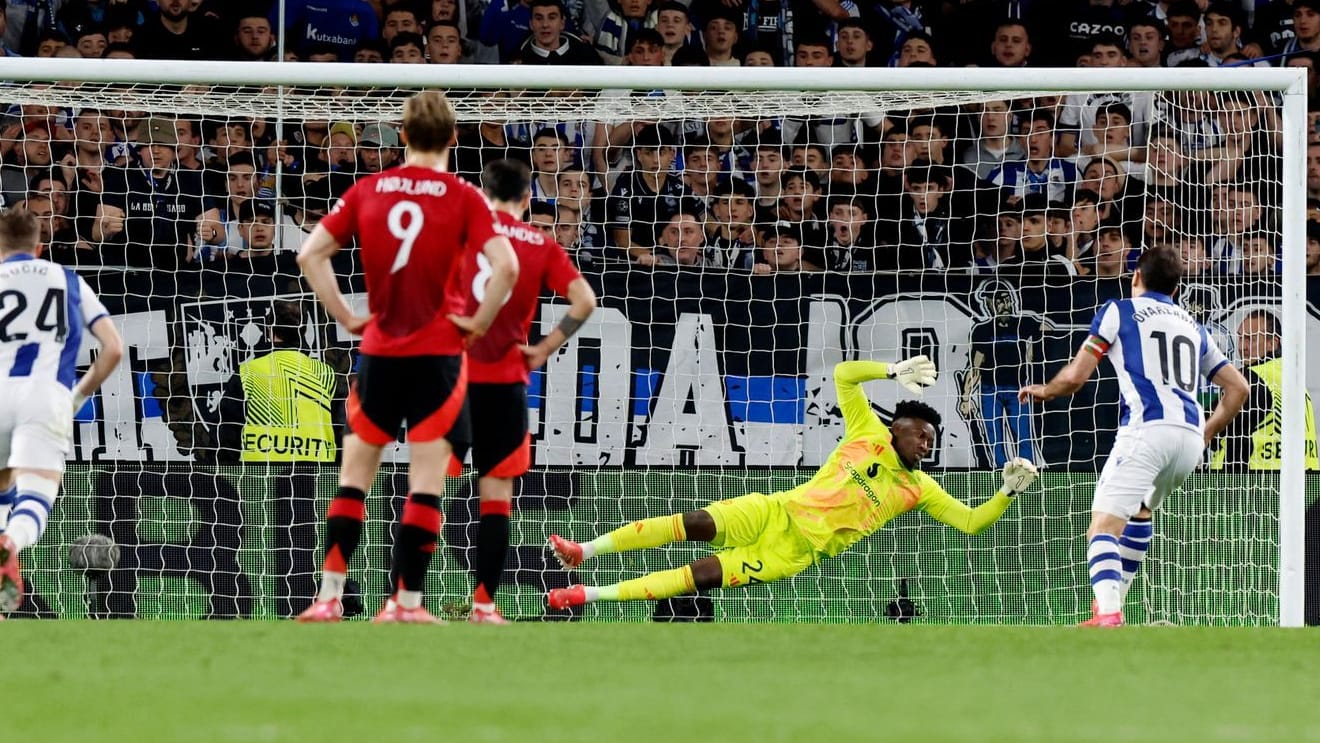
<point x="914" y="373"/>
<point x="1018" y="476"/>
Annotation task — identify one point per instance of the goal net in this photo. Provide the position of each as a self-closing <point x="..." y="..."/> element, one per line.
<point x="742" y="243"/>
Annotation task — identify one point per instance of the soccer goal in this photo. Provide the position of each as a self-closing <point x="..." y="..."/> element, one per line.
<point x="746" y="230"/>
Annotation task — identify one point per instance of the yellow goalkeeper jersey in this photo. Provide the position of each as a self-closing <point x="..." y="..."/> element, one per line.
<point x="864" y="485"/>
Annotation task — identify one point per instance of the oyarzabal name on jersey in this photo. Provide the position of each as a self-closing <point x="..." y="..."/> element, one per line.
<point x="1144" y="313"/>
<point x="399" y="184"/>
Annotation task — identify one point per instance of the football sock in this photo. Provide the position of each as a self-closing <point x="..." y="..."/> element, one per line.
<point x="7" y="498"/>
<point x="1106" y="572"/>
<point x="343" y="532"/>
<point x="661" y="585"/>
<point x="32" y="503"/>
<point x="343" y="528"/>
<point x="418" y="533"/>
<point x="1132" y="549"/>
<point x="492" y="547"/>
<point x="638" y="535"/>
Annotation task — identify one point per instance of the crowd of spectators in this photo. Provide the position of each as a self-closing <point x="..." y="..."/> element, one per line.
<point x="1059" y="186"/>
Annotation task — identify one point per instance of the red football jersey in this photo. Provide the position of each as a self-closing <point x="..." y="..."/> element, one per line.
<point x="414" y="226"/>
<point x="495" y="358"/>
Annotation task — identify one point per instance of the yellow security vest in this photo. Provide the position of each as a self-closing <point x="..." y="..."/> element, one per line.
<point x="288" y="396"/>
<point x="1266" y="447"/>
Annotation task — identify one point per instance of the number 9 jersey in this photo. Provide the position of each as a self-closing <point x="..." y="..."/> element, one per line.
<point x="1158" y="352"/>
<point x="414" y="226"/>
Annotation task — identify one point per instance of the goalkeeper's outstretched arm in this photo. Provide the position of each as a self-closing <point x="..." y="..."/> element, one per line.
<point x="914" y="374"/>
<point x="1018" y="475"/>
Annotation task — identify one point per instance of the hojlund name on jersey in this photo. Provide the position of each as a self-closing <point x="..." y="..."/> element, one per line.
<point x="399" y="184"/>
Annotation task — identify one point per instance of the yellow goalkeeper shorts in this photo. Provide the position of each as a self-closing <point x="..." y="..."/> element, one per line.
<point x="757" y="542"/>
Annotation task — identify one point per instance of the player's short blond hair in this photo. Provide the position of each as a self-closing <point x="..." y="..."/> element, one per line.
<point x="19" y="232"/>
<point x="429" y="122"/>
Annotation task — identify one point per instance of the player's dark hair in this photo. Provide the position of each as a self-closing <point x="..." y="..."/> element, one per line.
<point x="18" y="231"/>
<point x="918" y="411"/>
<point x="1161" y="268"/>
<point x="506" y="180"/>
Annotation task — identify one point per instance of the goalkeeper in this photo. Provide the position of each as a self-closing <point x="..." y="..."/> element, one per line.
<point x="868" y="480"/>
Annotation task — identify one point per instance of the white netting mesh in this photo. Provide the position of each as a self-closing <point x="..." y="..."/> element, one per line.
<point x="983" y="228"/>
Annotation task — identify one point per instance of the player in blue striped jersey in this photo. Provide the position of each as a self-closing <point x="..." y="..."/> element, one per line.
<point x="1158" y="352"/>
<point x="44" y="311"/>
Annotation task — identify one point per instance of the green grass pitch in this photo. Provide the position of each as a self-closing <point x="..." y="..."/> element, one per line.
<point x="278" y="681"/>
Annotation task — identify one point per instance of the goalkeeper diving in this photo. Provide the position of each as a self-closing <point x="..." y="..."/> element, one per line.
<point x="869" y="479"/>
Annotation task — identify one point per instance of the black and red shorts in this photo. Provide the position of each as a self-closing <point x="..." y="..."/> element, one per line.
<point x="429" y="393"/>
<point x="501" y="444"/>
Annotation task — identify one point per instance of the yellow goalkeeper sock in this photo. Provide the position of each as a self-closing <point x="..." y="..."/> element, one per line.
<point x="638" y="535"/>
<point x="659" y="585"/>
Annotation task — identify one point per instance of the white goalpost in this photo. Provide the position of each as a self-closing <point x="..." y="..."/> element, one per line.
<point x="705" y="375"/>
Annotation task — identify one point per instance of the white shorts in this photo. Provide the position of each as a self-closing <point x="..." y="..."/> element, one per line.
<point x="1146" y="465"/>
<point x="36" y="424"/>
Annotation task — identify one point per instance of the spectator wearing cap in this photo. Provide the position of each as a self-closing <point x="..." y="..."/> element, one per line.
<point x="625" y="18"/>
<point x="674" y="24"/>
<point x="254" y="36"/>
<point x="1040" y="171"/>
<point x="781" y="251"/>
<point x="176" y="31"/>
<point x="730" y="233"/>
<point x="719" y="36"/>
<point x="645" y="196"/>
<point x="994" y="143"/>
<point x="378" y="148"/>
<point x="444" y="43"/>
<point x="160" y="216"/>
<point x="854" y="45"/>
<point x="1145" y="42"/>
<point x="333" y="27"/>
<point x="681" y="241"/>
<point x="548" y="44"/>
<point x="339" y="150"/>
<point x="926" y="234"/>
<point x="407" y="48"/>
